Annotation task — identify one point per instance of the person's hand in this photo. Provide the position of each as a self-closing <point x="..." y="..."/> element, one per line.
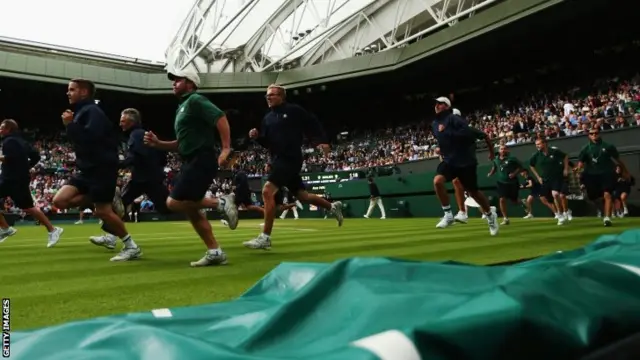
<point x="67" y="117"/>
<point x="150" y="139"/>
<point x="224" y="155"/>
<point x="253" y="133"/>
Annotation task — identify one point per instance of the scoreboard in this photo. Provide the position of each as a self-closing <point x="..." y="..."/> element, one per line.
<point x="316" y="182"/>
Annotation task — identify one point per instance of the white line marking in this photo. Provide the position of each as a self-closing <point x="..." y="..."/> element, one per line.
<point x="389" y="345"/>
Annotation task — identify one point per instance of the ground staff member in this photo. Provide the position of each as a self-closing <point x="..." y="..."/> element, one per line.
<point x="198" y="123"/>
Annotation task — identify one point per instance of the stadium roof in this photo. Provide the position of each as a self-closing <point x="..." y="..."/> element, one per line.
<point x="275" y="35"/>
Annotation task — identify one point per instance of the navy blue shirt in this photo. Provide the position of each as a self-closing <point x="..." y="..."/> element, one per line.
<point x="146" y="163"/>
<point x="19" y="158"/>
<point x="283" y="129"/>
<point x="94" y="137"/>
<point x="457" y="141"/>
<point x="535" y="186"/>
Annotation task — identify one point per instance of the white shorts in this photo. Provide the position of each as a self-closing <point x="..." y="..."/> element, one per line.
<point x="471" y="203"/>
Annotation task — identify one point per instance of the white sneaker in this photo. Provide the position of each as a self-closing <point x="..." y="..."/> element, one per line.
<point x="79" y="222"/>
<point x="562" y="220"/>
<point x="505" y="222"/>
<point x="127" y="254"/>
<point x="4" y="234"/>
<point x="261" y="242"/>
<point x="528" y="216"/>
<point x="106" y="240"/>
<point x="230" y="210"/>
<point x="210" y="259"/>
<point x="569" y="215"/>
<point x="492" y="220"/>
<point x="366" y="216"/>
<point x="558" y="217"/>
<point x="599" y="214"/>
<point x="54" y="237"/>
<point x="484" y="217"/>
<point x="383" y="218"/>
<point x="461" y="217"/>
<point x="607" y="222"/>
<point x="445" y="222"/>
<point x="336" y="209"/>
<point x="224" y="222"/>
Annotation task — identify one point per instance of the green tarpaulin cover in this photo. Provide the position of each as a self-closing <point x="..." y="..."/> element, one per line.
<point x="556" y="307"/>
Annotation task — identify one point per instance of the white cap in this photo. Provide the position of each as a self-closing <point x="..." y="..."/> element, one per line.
<point x="444" y="100"/>
<point x="187" y="73"/>
<point x="457" y="112"/>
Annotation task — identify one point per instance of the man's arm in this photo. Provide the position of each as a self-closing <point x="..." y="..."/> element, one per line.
<point x="10" y="150"/>
<point x="532" y="168"/>
<point x="34" y="156"/>
<point x="224" y="130"/>
<point x="515" y="173"/>
<point x="613" y="152"/>
<point x="493" y="170"/>
<point x="216" y="118"/>
<point x="90" y="128"/>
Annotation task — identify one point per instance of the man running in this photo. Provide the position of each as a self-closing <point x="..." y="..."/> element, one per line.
<point x="457" y="144"/>
<point x="623" y="190"/>
<point x="147" y="173"/>
<point x="535" y="193"/>
<point x="550" y="166"/>
<point x="198" y="123"/>
<point x="242" y="194"/>
<point x="507" y="167"/>
<point x="599" y="160"/>
<point x="95" y="143"/>
<point x="282" y="133"/>
<point x="18" y="157"/>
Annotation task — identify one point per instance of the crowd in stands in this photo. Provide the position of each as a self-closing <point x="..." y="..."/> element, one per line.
<point x="610" y="104"/>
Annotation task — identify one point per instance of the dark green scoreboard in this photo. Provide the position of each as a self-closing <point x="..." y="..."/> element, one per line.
<point x="316" y="182"/>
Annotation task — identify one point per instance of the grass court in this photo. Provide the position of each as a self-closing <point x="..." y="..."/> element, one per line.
<point x="76" y="280"/>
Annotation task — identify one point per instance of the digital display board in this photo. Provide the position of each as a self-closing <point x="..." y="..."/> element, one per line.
<point x="316" y="182"/>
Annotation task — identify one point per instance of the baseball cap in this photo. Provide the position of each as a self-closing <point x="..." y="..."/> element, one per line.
<point x="187" y="73"/>
<point x="444" y="100"/>
<point x="456" y="112"/>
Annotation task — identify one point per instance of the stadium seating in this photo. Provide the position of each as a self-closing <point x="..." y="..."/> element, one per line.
<point x="614" y="104"/>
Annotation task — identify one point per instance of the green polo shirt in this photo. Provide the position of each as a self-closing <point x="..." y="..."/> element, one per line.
<point x="505" y="166"/>
<point x="550" y="166"/>
<point x="195" y="124"/>
<point x="598" y="158"/>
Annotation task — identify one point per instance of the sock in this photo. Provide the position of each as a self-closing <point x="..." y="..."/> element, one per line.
<point x="447" y="210"/>
<point x="215" y="251"/>
<point x="128" y="242"/>
<point x="265" y="236"/>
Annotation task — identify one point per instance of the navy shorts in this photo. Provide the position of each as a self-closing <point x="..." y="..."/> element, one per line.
<point x="286" y="174"/>
<point x="598" y="184"/>
<point x="550" y="185"/>
<point x="99" y="184"/>
<point x="467" y="175"/>
<point x="196" y="176"/>
<point x="508" y="191"/>
<point x="18" y="191"/>
<point x="155" y="190"/>
<point x="243" y="197"/>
